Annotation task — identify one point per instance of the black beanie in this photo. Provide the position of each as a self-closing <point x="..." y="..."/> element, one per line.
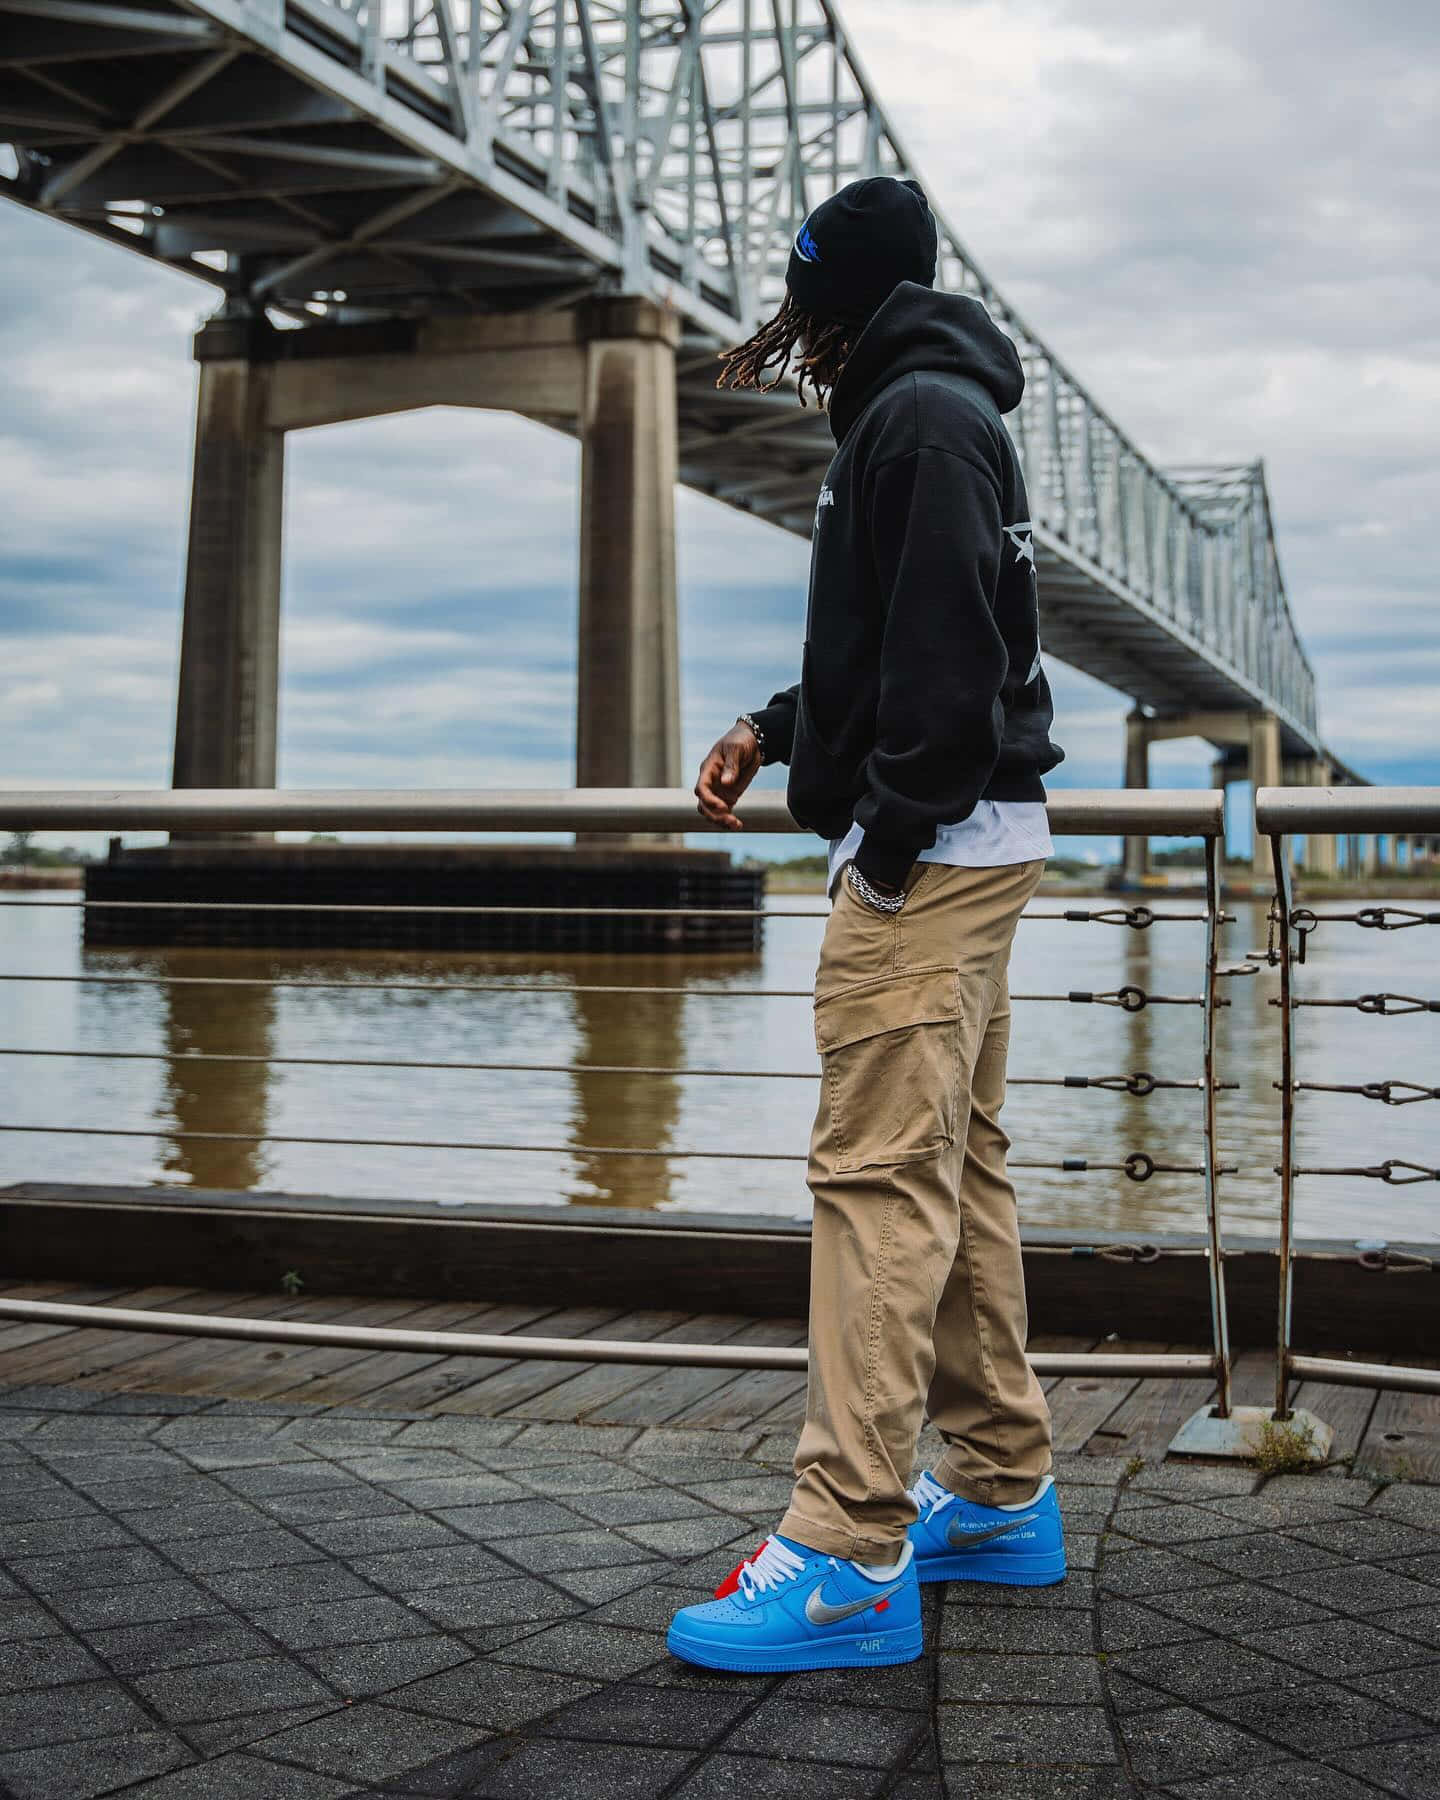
<point x="859" y="245"/>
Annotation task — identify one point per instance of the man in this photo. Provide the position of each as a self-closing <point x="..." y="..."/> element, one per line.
<point x="917" y="737"/>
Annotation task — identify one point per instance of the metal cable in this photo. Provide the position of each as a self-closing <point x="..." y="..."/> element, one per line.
<point x="1137" y="1165"/>
<point x="1139" y="1084"/>
<point x="1131" y="998"/>
<point x="430" y="987"/>
<point x="368" y="1143"/>
<point x="1138" y="918"/>
<point x="386" y="1062"/>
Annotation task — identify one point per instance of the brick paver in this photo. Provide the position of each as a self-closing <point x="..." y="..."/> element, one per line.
<point x="217" y="1600"/>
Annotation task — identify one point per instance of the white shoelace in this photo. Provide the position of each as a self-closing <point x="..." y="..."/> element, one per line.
<point x="929" y="1495"/>
<point x="775" y="1565"/>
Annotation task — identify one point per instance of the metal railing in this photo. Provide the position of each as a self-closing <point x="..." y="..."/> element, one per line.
<point x="1077" y="812"/>
<point x="1279" y="814"/>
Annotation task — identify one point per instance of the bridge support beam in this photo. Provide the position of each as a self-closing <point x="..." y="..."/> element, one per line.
<point x="628" y="696"/>
<point x="1250" y="743"/>
<point x="225" y="717"/>
<point x="1264" y="772"/>
<point x="605" y="369"/>
<point x="1322" y="853"/>
<point x="1137" y="775"/>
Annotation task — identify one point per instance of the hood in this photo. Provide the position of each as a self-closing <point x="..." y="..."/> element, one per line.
<point x="923" y="328"/>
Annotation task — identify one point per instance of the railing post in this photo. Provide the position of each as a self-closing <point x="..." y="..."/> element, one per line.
<point x="1280" y="919"/>
<point x="1219" y="1317"/>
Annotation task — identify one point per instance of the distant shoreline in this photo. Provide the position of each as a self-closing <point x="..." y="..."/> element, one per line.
<point x="67" y="875"/>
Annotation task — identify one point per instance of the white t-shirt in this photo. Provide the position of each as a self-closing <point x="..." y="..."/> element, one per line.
<point x="997" y="833"/>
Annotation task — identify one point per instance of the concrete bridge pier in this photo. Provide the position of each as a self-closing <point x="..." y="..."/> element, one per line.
<point x="1137" y="775"/>
<point x="604" y="370"/>
<point x="628" y="693"/>
<point x="226" y="710"/>
<point x="1322" y="853"/>
<point x="1264" y="772"/>
<point x="1250" y="745"/>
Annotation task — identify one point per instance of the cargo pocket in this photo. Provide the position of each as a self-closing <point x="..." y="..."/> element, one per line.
<point x="890" y="1058"/>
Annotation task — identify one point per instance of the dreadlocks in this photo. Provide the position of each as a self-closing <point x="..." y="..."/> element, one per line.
<point x="823" y="344"/>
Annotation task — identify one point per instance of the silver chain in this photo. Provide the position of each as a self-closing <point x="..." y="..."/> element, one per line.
<point x="886" y="903"/>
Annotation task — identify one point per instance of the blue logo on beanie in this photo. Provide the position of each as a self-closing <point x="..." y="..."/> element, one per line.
<point x="805" y="246"/>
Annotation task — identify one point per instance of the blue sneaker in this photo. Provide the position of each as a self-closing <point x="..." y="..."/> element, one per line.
<point x="790" y="1607"/>
<point x="957" y="1540"/>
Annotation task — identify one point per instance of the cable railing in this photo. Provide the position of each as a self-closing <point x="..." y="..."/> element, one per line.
<point x="1077" y="812"/>
<point x="1279" y="814"/>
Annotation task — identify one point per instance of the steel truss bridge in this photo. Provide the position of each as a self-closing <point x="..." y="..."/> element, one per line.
<point x="351" y="162"/>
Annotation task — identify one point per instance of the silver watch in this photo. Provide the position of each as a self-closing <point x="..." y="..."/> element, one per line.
<point x="871" y="895"/>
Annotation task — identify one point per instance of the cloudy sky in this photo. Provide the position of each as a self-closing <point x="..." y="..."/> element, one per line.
<point x="1222" y="219"/>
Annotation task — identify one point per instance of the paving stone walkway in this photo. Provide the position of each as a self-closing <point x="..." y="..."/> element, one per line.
<point x="228" y="1600"/>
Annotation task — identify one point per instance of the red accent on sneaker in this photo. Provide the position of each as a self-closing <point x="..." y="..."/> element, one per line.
<point x="732" y="1580"/>
<point x="881" y="1605"/>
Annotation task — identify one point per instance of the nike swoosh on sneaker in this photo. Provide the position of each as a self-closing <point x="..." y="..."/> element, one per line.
<point x="961" y="1539"/>
<point x="820" y="1611"/>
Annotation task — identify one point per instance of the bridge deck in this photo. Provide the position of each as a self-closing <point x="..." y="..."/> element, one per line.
<point x="1397" y="1433"/>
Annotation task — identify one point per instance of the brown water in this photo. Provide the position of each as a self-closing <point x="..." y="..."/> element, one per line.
<point x="542" y="1017"/>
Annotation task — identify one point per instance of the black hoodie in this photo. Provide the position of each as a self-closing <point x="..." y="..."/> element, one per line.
<point x="921" y="690"/>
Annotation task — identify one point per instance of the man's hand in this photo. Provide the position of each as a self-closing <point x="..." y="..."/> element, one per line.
<point x="727" y="770"/>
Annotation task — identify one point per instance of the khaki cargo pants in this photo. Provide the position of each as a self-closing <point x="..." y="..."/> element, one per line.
<point x="917" y="1294"/>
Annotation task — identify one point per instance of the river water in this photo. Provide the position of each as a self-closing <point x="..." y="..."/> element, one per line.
<point x="550" y="1012"/>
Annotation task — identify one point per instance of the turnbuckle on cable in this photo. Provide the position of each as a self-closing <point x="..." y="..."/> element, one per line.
<point x="1390" y="1093"/>
<point x="1304" y="919"/>
<point x="1394" y="1262"/>
<point x="1140" y="1083"/>
<point x="1384" y="1006"/>
<point x="1138" y="918"/>
<point x="1139" y="1165"/>
<point x="1388" y="1171"/>
<point x="1130" y="998"/>
<point x="1122" y="1253"/>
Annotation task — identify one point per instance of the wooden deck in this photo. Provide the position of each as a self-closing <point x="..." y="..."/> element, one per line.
<point x="1395" y="1432"/>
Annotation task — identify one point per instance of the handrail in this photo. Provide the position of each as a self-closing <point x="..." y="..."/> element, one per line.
<point x="1334" y="811"/>
<point x="1181" y="812"/>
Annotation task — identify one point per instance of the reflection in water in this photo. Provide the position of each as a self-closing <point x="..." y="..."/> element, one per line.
<point x="630" y="1030"/>
<point x="642" y="1031"/>
<point x="215" y="1096"/>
